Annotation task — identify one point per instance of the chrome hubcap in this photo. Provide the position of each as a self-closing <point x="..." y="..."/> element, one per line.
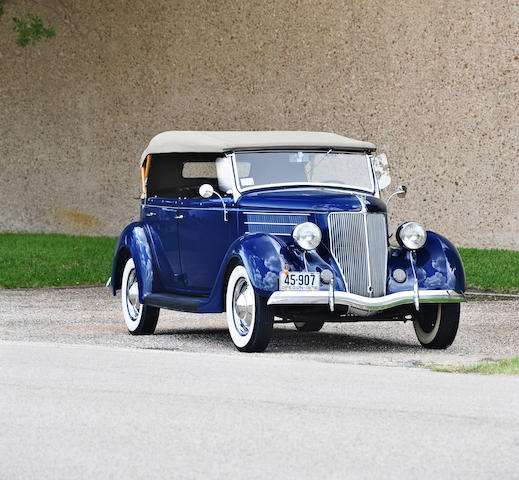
<point x="132" y="296"/>
<point x="243" y="301"/>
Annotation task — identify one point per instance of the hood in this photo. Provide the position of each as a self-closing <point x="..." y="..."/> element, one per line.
<point x="321" y="199"/>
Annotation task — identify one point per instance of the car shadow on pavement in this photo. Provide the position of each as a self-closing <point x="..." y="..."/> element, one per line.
<point x="293" y="341"/>
<point x="212" y="338"/>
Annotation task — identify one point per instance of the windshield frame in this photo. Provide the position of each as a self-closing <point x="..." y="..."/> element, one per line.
<point x="373" y="191"/>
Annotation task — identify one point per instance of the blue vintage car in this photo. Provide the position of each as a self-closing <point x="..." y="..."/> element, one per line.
<point x="279" y="227"/>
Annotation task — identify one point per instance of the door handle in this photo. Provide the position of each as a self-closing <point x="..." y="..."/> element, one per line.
<point x="151" y="214"/>
<point x="179" y="217"/>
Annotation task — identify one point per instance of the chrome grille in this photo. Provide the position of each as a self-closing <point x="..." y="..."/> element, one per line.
<point x="358" y="241"/>
<point x="276" y="224"/>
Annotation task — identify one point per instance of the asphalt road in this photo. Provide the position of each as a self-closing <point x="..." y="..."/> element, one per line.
<point x="80" y="398"/>
<point x="105" y="412"/>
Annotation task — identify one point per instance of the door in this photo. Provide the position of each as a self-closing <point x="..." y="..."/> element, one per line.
<point x="204" y="237"/>
<point x="190" y="233"/>
<point x="161" y="214"/>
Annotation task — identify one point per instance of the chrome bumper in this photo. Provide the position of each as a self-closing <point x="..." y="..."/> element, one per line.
<point x="365" y="305"/>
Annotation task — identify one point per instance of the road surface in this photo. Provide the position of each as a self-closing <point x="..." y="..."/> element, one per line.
<point x="104" y="412"/>
<point x="80" y="398"/>
<point x="93" y="316"/>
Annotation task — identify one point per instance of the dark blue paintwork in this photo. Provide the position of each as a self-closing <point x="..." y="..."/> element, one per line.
<point x="136" y="241"/>
<point x="308" y="199"/>
<point x="160" y="218"/>
<point x="191" y="255"/>
<point x="204" y="238"/>
<point x="438" y="266"/>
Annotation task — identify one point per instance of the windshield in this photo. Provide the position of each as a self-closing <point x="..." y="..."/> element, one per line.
<point x="346" y="170"/>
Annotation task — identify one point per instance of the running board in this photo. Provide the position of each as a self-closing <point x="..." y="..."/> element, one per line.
<point x="182" y="303"/>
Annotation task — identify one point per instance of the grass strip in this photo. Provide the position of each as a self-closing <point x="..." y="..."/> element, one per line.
<point x="42" y="260"/>
<point x="491" y="269"/>
<point x="508" y="366"/>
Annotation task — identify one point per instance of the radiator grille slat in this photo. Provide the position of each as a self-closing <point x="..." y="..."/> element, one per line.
<point x="378" y="251"/>
<point x="360" y="259"/>
<point x="283" y="224"/>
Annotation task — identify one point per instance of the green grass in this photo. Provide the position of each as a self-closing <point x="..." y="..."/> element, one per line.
<point x="39" y="260"/>
<point x="495" y="270"/>
<point x="508" y="366"/>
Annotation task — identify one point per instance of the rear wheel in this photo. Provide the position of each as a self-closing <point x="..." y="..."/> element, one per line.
<point x="313" y="326"/>
<point x="249" y="319"/>
<point x="436" y="325"/>
<point x="140" y="319"/>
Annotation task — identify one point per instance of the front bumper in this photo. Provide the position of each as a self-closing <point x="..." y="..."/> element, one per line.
<point x="365" y="305"/>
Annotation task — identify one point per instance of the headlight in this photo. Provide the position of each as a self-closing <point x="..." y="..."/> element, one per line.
<point x="411" y="235"/>
<point x="307" y="235"/>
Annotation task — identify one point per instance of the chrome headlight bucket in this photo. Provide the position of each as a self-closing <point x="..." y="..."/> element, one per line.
<point x="307" y="235"/>
<point x="411" y="235"/>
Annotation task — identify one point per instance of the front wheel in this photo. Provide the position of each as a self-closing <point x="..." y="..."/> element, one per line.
<point x="436" y="325"/>
<point x="140" y="319"/>
<point x="248" y="317"/>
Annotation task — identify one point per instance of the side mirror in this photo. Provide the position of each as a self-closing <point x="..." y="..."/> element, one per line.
<point x="401" y="192"/>
<point x="206" y="190"/>
<point x="381" y="169"/>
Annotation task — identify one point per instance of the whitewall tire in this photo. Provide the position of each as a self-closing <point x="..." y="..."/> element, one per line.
<point x="249" y="319"/>
<point x="140" y="319"/>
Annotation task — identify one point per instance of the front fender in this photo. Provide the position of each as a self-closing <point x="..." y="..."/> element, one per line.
<point x="264" y="256"/>
<point x="438" y="266"/>
<point x="135" y="241"/>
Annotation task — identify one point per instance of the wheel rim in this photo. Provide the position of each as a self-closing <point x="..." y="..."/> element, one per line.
<point x="242" y="304"/>
<point x="427" y="321"/>
<point x="132" y="296"/>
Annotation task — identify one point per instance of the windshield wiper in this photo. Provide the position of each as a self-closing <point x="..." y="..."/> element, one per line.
<point x="315" y="164"/>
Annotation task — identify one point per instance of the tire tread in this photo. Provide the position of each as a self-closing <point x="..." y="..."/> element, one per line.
<point x="449" y="322"/>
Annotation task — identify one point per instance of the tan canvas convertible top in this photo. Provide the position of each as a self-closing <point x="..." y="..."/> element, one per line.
<point x="222" y="141"/>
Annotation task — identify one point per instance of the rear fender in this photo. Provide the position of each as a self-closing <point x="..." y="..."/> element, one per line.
<point x="135" y="242"/>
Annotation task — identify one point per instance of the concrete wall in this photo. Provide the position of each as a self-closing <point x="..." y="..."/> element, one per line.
<point x="434" y="84"/>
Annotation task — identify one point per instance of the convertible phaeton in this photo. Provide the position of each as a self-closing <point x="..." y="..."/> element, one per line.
<point x="279" y="226"/>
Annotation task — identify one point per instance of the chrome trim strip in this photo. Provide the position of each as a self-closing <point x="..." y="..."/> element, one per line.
<point x="262" y="212"/>
<point x="366" y="236"/>
<point x="171" y="208"/>
<point x="271" y="233"/>
<point x="368" y="304"/>
<point x="416" y="291"/>
<point x="271" y="223"/>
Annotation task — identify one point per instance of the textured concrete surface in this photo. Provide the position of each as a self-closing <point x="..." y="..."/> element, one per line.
<point x="434" y="84"/>
<point x="97" y="412"/>
<point x="92" y="316"/>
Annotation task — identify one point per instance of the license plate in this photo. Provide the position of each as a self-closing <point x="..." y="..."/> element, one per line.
<point x="298" y="281"/>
